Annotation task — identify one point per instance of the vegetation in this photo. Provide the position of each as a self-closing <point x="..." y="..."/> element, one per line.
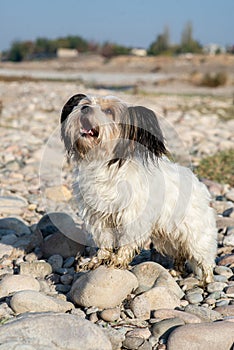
<point x="45" y="48"/>
<point x="214" y="80"/>
<point x="219" y="167"/>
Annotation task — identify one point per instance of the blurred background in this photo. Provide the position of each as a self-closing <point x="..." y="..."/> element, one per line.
<point x="174" y="57"/>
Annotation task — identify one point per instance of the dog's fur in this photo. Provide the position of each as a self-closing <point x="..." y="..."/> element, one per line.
<point x="128" y="191"/>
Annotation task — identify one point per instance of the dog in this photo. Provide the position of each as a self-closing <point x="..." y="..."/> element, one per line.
<point x="129" y="191"/>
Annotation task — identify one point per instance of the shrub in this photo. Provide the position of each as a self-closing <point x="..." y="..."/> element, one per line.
<point x="219" y="167"/>
<point x="214" y="80"/>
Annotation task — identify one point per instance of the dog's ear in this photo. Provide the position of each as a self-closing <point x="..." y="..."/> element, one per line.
<point x="145" y="130"/>
<point x="140" y="134"/>
<point x="69" y="105"/>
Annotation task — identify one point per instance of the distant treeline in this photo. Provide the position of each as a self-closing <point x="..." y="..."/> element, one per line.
<point x="43" y="48"/>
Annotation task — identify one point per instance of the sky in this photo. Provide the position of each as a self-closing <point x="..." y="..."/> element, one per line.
<point x="134" y="23"/>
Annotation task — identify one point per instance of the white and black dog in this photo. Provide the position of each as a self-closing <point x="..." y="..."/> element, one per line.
<point x="127" y="189"/>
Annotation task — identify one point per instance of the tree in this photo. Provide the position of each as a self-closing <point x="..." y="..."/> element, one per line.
<point x="188" y="44"/>
<point x="161" y="44"/>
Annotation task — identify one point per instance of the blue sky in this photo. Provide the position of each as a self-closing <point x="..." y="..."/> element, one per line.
<point x="128" y="22"/>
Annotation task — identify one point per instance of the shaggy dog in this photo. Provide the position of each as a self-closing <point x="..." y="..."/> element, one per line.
<point x="127" y="189"/>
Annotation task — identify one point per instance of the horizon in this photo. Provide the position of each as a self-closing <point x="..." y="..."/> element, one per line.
<point x="120" y="23"/>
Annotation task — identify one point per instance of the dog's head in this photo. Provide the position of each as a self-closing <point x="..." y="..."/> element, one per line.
<point x="94" y="127"/>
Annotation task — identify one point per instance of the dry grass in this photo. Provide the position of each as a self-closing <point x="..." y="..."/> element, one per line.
<point x="219" y="167"/>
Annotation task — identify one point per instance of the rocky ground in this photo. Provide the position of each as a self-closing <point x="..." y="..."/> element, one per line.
<point x="46" y="302"/>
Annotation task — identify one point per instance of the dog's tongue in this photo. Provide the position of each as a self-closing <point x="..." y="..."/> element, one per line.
<point x="90" y="132"/>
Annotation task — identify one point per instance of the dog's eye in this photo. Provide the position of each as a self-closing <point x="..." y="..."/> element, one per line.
<point x="108" y="111"/>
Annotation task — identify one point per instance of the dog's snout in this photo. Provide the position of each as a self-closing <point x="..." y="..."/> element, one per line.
<point x="85" y="109"/>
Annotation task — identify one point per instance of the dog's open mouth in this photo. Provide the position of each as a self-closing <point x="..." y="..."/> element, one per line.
<point x="93" y="132"/>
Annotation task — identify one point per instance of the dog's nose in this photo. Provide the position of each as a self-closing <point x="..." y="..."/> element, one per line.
<point x="85" y="109"/>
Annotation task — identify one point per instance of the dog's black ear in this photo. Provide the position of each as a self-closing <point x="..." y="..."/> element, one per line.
<point x="140" y="135"/>
<point x="145" y="130"/>
<point x="70" y="104"/>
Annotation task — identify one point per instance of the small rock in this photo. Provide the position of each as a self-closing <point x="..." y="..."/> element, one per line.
<point x="53" y="331"/>
<point x="146" y="346"/>
<point x="220" y="278"/>
<point x="63" y="288"/>
<point x="110" y="315"/>
<point x="93" y="317"/>
<point x="189" y="283"/>
<point x="5" y="311"/>
<point x="229" y="291"/>
<point x="140" y="306"/>
<point x="226" y="260"/>
<point x="139" y="333"/>
<point x="12" y="205"/>
<point x="163" y="328"/>
<point x="15" y="225"/>
<point x="222" y="303"/>
<point x="132" y="343"/>
<point x="215" y="287"/>
<point x="204" y="313"/>
<point x="225" y="310"/>
<point x="56" y="261"/>
<point x="39" y="269"/>
<point x="103" y="287"/>
<point x="69" y="262"/>
<point x="116" y="338"/>
<point x="66" y="279"/>
<point x="58" y="193"/>
<point x="229" y="240"/>
<point x="215" y="336"/>
<point x="5" y="250"/>
<point x="184" y="316"/>
<point x="151" y="274"/>
<point x="78" y="312"/>
<point x="160" y="298"/>
<point x="32" y="301"/>
<point x="230" y="195"/>
<point x="194" y="298"/>
<point x="14" y="283"/>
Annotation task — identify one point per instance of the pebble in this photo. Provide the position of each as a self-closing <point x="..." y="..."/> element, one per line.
<point x="116" y="338"/>
<point x="163" y="328"/>
<point x="18" y="227"/>
<point x="132" y="343"/>
<point x="151" y="274"/>
<point x="215" y="287"/>
<point x="169" y="313"/>
<point x="161" y="298"/>
<point x="14" y="283"/>
<point x="226" y="260"/>
<point x="194" y="298"/>
<point x="103" y="287"/>
<point x="204" y="313"/>
<point x="215" y="336"/>
<point x="53" y="331"/>
<point x="139" y="333"/>
<point x="5" y="250"/>
<point x="56" y="262"/>
<point x="141" y="308"/>
<point x="110" y="315"/>
<point x="66" y="279"/>
<point x="69" y="262"/>
<point x="39" y="269"/>
<point x="33" y="301"/>
<point x="229" y="240"/>
<point x="225" y="310"/>
<point x="12" y="205"/>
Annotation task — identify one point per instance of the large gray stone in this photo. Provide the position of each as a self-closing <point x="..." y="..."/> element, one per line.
<point x="53" y="331"/>
<point x="61" y="235"/>
<point x="215" y="336"/>
<point x="32" y="301"/>
<point x="151" y="274"/>
<point x="103" y="287"/>
<point x="15" y="283"/>
<point x="160" y="297"/>
<point x="14" y="225"/>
